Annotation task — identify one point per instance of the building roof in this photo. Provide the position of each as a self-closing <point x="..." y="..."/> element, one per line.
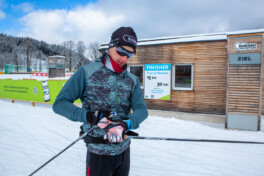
<point x="57" y="56"/>
<point x="189" y="38"/>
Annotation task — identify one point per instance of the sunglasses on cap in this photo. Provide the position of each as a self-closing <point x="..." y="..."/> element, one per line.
<point x="123" y="52"/>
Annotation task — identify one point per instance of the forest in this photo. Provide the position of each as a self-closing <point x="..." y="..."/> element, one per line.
<point x="29" y="54"/>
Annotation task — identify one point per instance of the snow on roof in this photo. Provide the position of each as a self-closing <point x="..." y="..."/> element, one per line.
<point x="245" y="32"/>
<point x="57" y="56"/>
<point x="182" y="39"/>
<point x="189" y="38"/>
<point x="177" y="39"/>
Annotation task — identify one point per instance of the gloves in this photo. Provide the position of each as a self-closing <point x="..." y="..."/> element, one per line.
<point x="104" y="122"/>
<point x="94" y="117"/>
<point x="116" y="133"/>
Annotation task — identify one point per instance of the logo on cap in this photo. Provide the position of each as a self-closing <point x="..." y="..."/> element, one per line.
<point x="130" y="39"/>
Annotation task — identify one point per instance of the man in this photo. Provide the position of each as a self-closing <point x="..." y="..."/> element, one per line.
<point x="108" y="93"/>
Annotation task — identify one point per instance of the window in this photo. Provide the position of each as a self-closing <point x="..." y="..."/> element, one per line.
<point x="182" y="77"/>
<point x="52" y="64"/>
<point x="60" y="66"/>
<point x="138" y="71"/>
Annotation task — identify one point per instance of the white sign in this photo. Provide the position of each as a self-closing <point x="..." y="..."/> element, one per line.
<point x="45" y="88"/>
<point x="157" y="81"/>
<point x="60" y="61"/>
<point x="241" y="46"/>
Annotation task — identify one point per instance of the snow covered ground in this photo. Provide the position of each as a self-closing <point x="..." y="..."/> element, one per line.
<point x="29" y="136"/>
<point x="30" y="76"/>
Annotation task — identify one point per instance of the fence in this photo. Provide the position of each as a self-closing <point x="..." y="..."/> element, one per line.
<point x="10" y="68"/>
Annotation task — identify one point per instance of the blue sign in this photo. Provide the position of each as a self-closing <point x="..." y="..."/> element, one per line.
<point x="157" y="67"/>
<point x="245" y="58"/>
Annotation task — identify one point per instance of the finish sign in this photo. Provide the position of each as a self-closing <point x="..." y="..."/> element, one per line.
<point x="157" y="81"/>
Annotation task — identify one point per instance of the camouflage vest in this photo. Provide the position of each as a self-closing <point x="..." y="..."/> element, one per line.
<point x="109" y="91"/>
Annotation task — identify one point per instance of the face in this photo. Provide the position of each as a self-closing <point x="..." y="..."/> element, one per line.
<point x="120" y="60"/>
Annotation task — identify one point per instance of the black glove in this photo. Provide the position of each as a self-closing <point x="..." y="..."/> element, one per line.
<point x="94" y="117"/>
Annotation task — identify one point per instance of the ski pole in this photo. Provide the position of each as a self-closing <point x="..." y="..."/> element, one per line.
<point x="82" y="136"/>
<point x="192" y="140"/>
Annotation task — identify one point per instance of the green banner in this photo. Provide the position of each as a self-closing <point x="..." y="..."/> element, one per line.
<point x="31" y="90"/>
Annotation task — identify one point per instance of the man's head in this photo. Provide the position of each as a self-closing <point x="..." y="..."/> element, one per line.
<point x="123" y="45"/>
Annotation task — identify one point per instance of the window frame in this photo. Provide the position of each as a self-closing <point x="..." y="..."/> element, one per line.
<point x="174" y="77"/>
<point x="142" y="65"/>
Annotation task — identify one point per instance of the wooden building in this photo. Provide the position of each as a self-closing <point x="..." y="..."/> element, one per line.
<point x="56" y="66"/>
<point x="210" y="73"/>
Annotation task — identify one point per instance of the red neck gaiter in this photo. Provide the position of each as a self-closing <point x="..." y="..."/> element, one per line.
<point x="112" y="65"/>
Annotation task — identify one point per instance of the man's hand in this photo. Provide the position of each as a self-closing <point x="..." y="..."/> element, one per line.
<point x="116" y="133"/>
<point x="104" y="122"/>
<point x="95" y="117"/>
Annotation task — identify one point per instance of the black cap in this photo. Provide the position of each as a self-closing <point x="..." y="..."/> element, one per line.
<point x="124" y="36"/>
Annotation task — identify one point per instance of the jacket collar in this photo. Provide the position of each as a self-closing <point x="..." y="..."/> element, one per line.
<point x="106" y="60"/>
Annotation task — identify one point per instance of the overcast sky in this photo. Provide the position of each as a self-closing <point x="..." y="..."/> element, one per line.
<point x="57" y="21"/>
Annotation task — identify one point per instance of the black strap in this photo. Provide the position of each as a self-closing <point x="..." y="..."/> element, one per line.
<point x="131" y="133"/>
<point x="98" y="140"/>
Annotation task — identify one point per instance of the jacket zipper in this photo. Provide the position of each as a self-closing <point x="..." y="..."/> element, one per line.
<point x="116" y="105"/>
<point x="116" y="93"/>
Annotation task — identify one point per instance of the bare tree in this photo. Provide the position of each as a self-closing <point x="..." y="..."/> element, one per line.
<point x="80" y="48"/>
<point x="93" y="51"/>
<point x="28" y="47"/>
<point x="15" y="56"/>
<point x="69" y="46"/>
<point x="7" y="46"/>
<point x="15" y="53"/>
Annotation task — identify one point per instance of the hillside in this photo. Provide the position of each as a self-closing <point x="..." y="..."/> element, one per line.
<point x="34" y="54"/>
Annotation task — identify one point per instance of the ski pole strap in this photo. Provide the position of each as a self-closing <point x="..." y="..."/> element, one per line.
<point x="193" y="140"/>
<point x="131" y="133"/>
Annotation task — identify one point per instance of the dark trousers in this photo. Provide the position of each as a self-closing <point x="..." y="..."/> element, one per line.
<point x="107" y="165"/>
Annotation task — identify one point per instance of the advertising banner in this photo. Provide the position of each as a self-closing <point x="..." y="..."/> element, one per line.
<point x="31" y="90"/>
<point x="45" y="88"/>
<point x="157" y="81"/>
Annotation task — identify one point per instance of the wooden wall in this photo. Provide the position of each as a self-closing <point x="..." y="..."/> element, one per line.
<point x="244" y="80"/>
<point x="244" y="89"/>
<point x="262" y="81"/>
<point x="209" y="61"/>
